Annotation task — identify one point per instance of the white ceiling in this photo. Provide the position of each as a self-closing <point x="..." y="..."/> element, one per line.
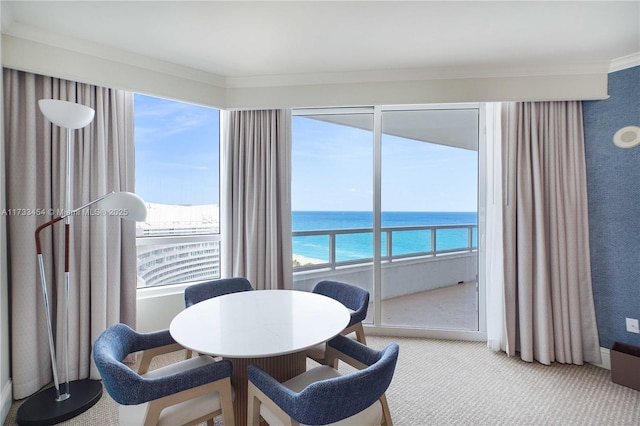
<point x="242" y="42"/>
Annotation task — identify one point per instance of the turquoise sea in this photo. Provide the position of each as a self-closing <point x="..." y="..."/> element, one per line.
<point x="360" y="245"/>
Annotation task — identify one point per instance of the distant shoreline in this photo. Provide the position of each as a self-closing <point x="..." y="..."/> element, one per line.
<point x="304" y="260"/>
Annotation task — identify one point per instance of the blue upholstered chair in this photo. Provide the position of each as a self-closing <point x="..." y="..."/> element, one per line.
<point x="189" y="391"/>
<point x="198" y="292"/>
<point x="322" y="395"/>
<point x="356" y="299"/>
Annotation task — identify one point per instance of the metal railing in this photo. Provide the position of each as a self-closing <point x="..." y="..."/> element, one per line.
<point x="431" y="248"/>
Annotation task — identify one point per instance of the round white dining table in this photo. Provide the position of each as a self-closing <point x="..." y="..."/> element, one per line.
<point x="268" y="328"/>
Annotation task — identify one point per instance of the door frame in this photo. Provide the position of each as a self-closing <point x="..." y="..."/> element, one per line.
<point x="377" y="328"/>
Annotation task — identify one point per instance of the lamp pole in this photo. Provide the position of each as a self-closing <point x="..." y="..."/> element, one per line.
<point x="67" y="279"/>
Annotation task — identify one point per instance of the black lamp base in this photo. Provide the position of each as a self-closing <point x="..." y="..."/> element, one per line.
<point x="43" y="409"/>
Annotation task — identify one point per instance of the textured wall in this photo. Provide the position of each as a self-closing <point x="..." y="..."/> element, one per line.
<point x="613" y="185"/>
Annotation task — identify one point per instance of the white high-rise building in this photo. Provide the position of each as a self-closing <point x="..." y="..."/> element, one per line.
<point x="182" y="261"/>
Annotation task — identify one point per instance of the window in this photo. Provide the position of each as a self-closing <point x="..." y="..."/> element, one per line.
<point x="177" y="174"/>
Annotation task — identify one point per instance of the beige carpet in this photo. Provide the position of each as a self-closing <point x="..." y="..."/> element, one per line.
<point x="439" y="382"/>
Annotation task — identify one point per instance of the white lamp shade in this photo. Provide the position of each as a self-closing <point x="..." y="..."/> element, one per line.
<point x="66" y="114"/>
<point x="126" y="205"/>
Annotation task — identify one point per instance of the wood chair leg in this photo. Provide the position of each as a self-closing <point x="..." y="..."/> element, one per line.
<point x="226" y="404"/>
<point x="386" y="414"/>
<point x="253" y="407"/>
<point x="360" y="337"/>
<point x="358" y="329"/>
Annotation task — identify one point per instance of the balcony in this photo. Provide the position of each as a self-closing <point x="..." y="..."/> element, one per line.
<point x="433" y="287"/>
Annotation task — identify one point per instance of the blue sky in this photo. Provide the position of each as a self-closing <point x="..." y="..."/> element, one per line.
<point x="177" y="157"/>
<point x="176" y="143"/>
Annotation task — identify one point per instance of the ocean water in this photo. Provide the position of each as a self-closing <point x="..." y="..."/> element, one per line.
<point x="360" y="245"/>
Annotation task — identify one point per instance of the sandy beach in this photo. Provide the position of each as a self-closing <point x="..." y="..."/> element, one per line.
<point x="303" y="260"/>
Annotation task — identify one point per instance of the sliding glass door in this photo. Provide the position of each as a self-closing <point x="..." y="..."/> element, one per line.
<point x="429" y="200"/>
<point x="386" y="198"/>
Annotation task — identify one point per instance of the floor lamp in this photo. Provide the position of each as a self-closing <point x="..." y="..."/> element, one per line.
<point x="68" y="399"/>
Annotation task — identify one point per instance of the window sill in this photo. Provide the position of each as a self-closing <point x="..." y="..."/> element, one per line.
<point x="163" y="290"/>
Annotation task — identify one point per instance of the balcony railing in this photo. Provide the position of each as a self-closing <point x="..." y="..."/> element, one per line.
<point x="412" y="241"/>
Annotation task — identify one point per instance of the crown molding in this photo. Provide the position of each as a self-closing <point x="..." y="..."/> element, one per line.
<point x="38" y="35"/>
<point x="625" y="62"/>
<point x="424" y="74"/>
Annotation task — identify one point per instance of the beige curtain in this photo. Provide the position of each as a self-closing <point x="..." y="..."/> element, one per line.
<point x="549" y="310"/>
<point x="256" y="197"/>
<point x="103" y="256"/>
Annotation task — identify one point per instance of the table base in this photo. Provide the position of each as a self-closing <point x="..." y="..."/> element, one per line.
<point x="281" y="368"/>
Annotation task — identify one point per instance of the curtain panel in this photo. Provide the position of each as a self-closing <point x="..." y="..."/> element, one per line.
<point x="494" y="254"/>
<point x="256" y="197"/>
<point x="103" y="252"/>
<point x="548" y="298"/>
